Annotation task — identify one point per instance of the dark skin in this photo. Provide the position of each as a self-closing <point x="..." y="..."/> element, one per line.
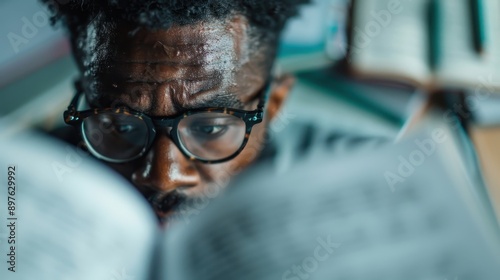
<point x="168" y="71"/>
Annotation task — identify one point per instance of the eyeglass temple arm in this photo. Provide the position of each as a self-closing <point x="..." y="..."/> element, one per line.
<point x="264" y="96"/>
<point x="257" y="115"/>
<point x="275" y="72"/>
<point x="69" y="114"/>
<point x="74" y="102"/>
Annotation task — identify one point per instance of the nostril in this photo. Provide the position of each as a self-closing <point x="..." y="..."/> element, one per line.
<point x="142" y="181"/>
<point x="165" y="169"/>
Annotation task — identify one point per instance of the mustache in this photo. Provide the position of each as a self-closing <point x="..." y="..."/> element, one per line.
<point x="166" y="202"/>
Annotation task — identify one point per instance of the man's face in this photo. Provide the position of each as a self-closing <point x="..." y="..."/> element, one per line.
<point x="165" y="72"/>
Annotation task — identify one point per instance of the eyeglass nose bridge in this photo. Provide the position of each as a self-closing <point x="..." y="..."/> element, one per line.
<point x="167" y="126"/>
<point x="164" y="123"/>
<point x="164" y="127"/>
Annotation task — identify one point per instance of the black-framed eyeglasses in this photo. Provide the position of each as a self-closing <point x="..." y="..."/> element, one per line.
<point x="208" y="135"/>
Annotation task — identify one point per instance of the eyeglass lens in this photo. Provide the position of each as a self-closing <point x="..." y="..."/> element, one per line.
<point x="206" y="136"/>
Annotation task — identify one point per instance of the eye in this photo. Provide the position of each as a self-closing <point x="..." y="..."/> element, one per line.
<point x="208" y="130"/>
<point x="205" y="129"/>
<point x="123" y="128"/>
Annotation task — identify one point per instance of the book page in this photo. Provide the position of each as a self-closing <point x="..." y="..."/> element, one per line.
<point x="402" y="213"/>
<point x="461" y="64"/>
<point x="64" y="216"/>
<point x="389" y="39"/>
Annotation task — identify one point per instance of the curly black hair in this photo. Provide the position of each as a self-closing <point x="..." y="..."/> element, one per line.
<point x="269" y="16"/>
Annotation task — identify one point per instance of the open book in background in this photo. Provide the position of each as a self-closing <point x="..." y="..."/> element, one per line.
<point x="428" y="43"/>
<point x="403" y="212"/>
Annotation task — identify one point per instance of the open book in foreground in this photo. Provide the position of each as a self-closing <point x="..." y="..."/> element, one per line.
<point x="428" y="43"/>
<point x="404" y="212"/>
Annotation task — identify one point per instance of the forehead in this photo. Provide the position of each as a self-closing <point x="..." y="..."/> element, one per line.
<point x="211" y="45"/>
<point x="163" y="71"/>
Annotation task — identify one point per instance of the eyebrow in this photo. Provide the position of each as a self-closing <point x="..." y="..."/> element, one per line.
<point x="221" y="101"/>
<point x="217" y="101"/>
<point x="227" y="100"/>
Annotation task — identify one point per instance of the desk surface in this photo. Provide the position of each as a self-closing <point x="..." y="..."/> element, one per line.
<point x="487" y="142"/>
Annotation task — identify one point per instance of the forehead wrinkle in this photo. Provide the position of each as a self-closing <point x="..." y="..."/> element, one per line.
<point x="238" y="29"/>
<point x="172" y="99"/>
<point x="138" y="100"/>
<point x="176" y="44"/>
<point x="162" y="53"/>
<point x="176" y="34"/>
<point x="214" y="46"/>
<point x="151" y="62"/>
<point x="157" y="73"/>
<point x="225" y="49"/>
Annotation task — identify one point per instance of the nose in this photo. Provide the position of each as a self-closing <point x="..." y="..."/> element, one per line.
<point x="165" y="169"/>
